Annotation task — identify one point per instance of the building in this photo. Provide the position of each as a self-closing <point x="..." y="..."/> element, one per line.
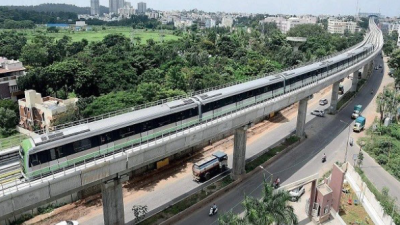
<point x="284" y="25"/>
<point x="126" y="12"/>
<point x="10" y="70"/>
<point x="94" y="7"/>
<point x="115" y="5"/>
<point x="336" y="26"/>
<point x="141" y="8"/>
<point x="210" y="23"/>
<point x="398" y="39"/>
<point x="227" y="21"/>
<point x="38" y="112"/>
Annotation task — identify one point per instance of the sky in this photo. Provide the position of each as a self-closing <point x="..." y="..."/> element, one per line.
<point x="297" y="7"/>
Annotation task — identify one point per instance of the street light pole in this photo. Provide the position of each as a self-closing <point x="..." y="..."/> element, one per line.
<point x="348" y="141"/>
<point x="271" y="175"/>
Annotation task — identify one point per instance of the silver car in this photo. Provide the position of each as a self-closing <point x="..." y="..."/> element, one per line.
<point x="295" y="194"/>
<point x="323" y="101"/>
<point x="68" y="222"/>
<point x="319" y="113"/>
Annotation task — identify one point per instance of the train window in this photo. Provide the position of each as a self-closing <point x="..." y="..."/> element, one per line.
<point x="126" y="131"/>
<point x="82" y="145"/>
<point x="148" y="125"/>
<point x="33" y="160"/>
<point x="105" y="138"/>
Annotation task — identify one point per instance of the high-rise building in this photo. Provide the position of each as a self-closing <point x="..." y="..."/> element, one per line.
<point x="141" y="7"/>
<point x="95" y="7"/>
<point x="115" y="5"/>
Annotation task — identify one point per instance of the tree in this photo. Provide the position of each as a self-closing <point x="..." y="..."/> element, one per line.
<point x="306" y="30"/>
<point x="53" y="30"/>
<point x="8" y="121"/>
<point x="140" y="212"/>
<point x="34" y="55"/>
<point x="360" y="158"/>
<point x="272" y="208"/>
<point x="11" y="44"/>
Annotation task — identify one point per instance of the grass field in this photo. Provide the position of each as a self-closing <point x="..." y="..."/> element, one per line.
<point x="98" y="34"/>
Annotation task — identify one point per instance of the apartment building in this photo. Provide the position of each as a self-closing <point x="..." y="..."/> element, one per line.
<point x="284" y="25"/>
<point x="10" y="70"/>
<point x="36" y="111"/>
<point x="336" y="26"/>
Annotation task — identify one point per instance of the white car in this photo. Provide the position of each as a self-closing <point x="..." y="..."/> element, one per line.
<point x="296" y="193"/>
<point x="68" y="222"/>
<point x="317" y="112"/>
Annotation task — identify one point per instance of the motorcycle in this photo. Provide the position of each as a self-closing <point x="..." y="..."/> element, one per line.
<point x="276" y="185"/>
<point x="212" y="211"/>
<point x="323" y="159"/>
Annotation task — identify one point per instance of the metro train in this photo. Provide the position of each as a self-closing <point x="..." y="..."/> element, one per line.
<point x="75" y="145"/>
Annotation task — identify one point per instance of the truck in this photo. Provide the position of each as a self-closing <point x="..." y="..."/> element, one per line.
<point x="359" y="124"/>
<point x="356" y="112"/>
<point x="341" y="89"/>
<point x="208" y="167"/>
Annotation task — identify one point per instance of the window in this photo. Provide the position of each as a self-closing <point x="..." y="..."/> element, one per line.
<point x="82" y="145"/>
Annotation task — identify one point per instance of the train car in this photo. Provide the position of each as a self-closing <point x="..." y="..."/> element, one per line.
<point x="71" y="145"/>
<point x="220" y="102"/>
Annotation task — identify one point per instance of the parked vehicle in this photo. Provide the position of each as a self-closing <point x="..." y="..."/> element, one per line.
<point x="356" y="112"/>
<point x="360" y="124"/>
<point x="376" y="68"/>
<point x="296" y="193"/>
<point x="68" y="222"/>
<point x="380" y="66"/>
<point x="206" y="168"/>
<point x="319" y="113"/>
<point x="341" y="89"/>
<point x="323" y="101"/>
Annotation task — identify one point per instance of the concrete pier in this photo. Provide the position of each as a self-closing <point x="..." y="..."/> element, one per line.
<point x="354" y="82"/>
<point x="239" y="153"/>
<point x="301" y="118"/>
<point x="334" y="97"/>
<point x="113" y="202"/>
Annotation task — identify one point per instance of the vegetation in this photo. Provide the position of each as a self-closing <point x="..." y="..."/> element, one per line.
<point x="271" y="209"/>
<point x="35" y="17"/>
<point x="387" y="202"/>
<point x="56" y="7"/>
<point x="8" y="117"/>
<point x="119" y="73"/>
<point x="390" y="42"/>
<point x="11" y="44"/>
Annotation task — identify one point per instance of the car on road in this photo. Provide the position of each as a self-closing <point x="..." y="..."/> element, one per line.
<point x="376" y="68"/>
<point x="380" y="66"/>
<point x="68" y="222"/>
<point x="323" y="101"/>
<point x="317" y="112"/>
<point x="296" y="193"/>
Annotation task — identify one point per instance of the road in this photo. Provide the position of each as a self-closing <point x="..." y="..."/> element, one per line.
<point x="328" y="135"/>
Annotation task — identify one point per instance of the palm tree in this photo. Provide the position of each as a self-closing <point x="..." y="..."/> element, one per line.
<point x="272" y="208"/>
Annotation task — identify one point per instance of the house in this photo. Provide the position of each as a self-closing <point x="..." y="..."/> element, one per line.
<point x="38" y="112"/>
<point x="10" y="70"/>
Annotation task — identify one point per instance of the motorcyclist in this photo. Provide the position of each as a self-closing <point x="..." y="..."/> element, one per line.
<point x="372" y="91"/>
<point x="277" y="182"/>
<point x="214" y="208"/>
<point x="324" y="158"/>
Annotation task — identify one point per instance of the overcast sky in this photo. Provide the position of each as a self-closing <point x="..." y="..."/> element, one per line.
<point x="333" y="7"/>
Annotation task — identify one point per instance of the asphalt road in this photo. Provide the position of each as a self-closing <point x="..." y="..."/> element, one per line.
<point x="325" y="135"/>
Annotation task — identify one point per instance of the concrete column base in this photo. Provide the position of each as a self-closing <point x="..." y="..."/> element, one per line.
<point x="334" y="98"/>
<point x="301" y="118"/>
<point x="239" y="153"/>
<point x="113" y="202"/>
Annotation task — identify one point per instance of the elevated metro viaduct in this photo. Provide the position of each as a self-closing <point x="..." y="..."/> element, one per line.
<point x="113" y="170"/>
